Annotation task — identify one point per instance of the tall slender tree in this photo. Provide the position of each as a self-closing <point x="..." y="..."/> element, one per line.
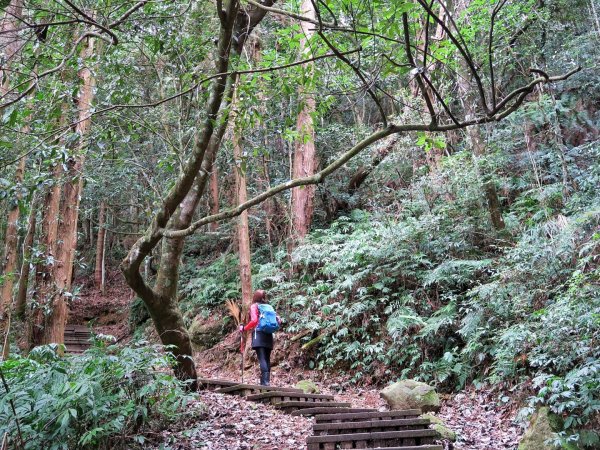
<point x="10" y="44"/>
<point x="305" y="158"/>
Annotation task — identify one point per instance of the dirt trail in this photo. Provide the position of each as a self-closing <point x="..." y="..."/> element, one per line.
<point x="109" y="312"/>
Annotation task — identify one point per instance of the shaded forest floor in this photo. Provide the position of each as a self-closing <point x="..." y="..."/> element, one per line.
<point x="223" y="422"/>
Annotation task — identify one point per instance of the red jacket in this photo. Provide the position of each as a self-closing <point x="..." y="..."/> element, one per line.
<point x="253" y="318"/>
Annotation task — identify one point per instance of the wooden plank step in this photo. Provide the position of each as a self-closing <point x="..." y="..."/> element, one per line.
<point x="244" y="390"/>
<point x="294" y="405"/>
<point x="328" y="410"/>
<point x="370" y="426"/>
<point x="282" y="396"/>
<point x="375" y="439"/>
<point x="81" y="328"/>
<point x="412" y="447"/>
<point x="215" y="383"/>
<point x="367" y="415"/>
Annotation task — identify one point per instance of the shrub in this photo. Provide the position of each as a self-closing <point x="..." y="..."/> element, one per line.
<point x="109" y="397"/>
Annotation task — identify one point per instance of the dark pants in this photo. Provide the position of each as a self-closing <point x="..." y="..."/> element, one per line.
<point x="264" y="358"/>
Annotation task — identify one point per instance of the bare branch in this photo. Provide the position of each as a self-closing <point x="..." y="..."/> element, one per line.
<point x="418" y="74"/>
<point x="495" y="12"/>
<point x="358" y="73"/>
<point x="518" y="95"/>
<point x="463" y="51"/>
<point x="290" y="14"/>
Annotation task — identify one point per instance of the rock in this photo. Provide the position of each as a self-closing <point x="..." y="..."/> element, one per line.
<point x="438" y="425"/>
<point x="411" y="394"/>
<point x="539" y="431"/>
<point x="307" y="386"/>
<point x="204" y="334"/>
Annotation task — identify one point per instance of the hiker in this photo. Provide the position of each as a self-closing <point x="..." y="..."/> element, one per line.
<point x="264" y="321"/>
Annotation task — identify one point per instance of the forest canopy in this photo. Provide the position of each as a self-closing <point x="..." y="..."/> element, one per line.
<point x="414" y="182"/>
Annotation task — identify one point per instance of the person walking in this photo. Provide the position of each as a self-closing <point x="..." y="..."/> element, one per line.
<point x="264" y="322"/>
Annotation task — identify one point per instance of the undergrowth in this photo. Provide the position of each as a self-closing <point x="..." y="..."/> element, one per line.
<point x="108" y="398"/>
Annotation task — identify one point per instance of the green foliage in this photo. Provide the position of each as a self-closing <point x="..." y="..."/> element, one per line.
<point x="208" y="287"/>
<point x="109" y="397"/>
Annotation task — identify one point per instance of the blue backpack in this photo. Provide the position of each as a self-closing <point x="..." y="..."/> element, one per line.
<point x="267" y="319"/>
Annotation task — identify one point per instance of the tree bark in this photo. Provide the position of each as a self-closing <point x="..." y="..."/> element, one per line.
<point x="100" y="246"/>
<point x="304" y="163"/>
<point x="21" y="299"/>
<point x="9" y="261"/>
<point x="243" y="230"/>
<point x="10" y="45"/>
<point x="214" y="195"/>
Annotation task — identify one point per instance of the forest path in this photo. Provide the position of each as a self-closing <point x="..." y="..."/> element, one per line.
<point x="337" y="424"/>
<point x="482" y="418"/>
<point x="106" y="312"/>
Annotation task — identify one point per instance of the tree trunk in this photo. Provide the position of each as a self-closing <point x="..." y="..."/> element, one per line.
<point x="21" y="299"/>
<point x="304" y="163"/>
<point x="100" y="241"/>
<point x="10" y="45"/>
<point x="44" y="281"/>
<point x="49" y="328"/>
<point x="236" y="24"/>
<point x="9" y="261"/>
<point x="214" y="196"/>
<point x="243" y="231"/>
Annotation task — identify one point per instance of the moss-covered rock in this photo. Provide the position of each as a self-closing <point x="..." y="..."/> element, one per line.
<point x="438" y="425"/>
<point x="204" y="335"/>
<point x="411" y="394"/>
<point x="540" y="431"/>
<point x="307" y="386"/>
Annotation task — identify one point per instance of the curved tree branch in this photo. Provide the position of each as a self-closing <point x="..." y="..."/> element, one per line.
<point x="518" y="96"/>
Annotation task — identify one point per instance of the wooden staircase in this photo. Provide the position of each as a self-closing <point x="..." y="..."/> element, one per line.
<point x="338" y="425"/>
<point x="77" y="338"/>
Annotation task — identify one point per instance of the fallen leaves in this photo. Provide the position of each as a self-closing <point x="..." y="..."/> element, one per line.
<point x="236" y="424"/>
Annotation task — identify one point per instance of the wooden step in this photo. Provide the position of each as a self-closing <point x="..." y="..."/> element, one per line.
<point x="282" y="396"/>
<point x="411" y="447"/>
<point x="77" y="338"/>
<point x="212" y="384"/>
<point x="373" y="440"/>
<point x="370" y="426"/>
<point x="366" y="415"/>
<point x="244" y="390"/>
<point x="323" y="409"/>
<point x="71" y="327"/>
<point x="295" y="405"/>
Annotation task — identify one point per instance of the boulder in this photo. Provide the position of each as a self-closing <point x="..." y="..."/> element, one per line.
<point x="307" y="386"/>
<point x="411" y="394"/>
<point x="438" y="425"/>
<point x="204" y="335"/>
<point x="539" y="432"/>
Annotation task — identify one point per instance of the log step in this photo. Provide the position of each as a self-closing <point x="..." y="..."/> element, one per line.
<point x="376" y="439"/>
<point x="411" y="447"/>
<point x="212" y="384"/>
<point x="365" y="415"/>
<point x="328" y="410"/>
<point x="244" y="390"/>
<point x="370" y="426"/>
<point x="294" y="405"/>
<point x="282" y="396"/>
